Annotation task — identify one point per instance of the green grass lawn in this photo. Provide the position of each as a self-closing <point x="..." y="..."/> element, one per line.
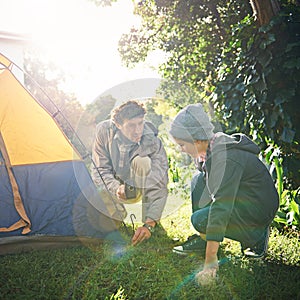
<point x="152" y="271"/>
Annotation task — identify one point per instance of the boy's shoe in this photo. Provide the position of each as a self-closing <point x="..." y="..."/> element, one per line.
<point x="260" y="249"/>
<point x="194" y="244"/>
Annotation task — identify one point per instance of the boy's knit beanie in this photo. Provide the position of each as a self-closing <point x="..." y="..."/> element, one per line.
<point x="191" y="124"/>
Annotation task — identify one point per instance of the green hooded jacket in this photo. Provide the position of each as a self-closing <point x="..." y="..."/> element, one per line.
<point x="239" y="188"/>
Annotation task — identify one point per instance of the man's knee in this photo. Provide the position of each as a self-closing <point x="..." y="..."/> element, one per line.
<point x="141" y="166"/>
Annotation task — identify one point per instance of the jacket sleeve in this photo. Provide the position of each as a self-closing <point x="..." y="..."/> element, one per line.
<point x="223" y="182"/>
<point x="102" y="161"/>
<point x="156" y="191"/>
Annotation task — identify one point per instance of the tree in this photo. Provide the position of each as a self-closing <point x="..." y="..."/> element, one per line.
<point x="94" y="113"/>
<point x="242" y="57"/>
<point x="264" y="10"/>
<point x="100" y="109"/>
<point x="264" y="72"/>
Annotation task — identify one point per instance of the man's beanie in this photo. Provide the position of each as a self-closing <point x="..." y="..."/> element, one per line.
<point x="191" y="124"/>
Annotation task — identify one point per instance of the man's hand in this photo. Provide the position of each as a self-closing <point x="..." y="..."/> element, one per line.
<point x="121" y="193"/>
<point x="141" y="234"/>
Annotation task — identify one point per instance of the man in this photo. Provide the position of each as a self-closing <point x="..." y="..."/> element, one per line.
<point x="233" y="194"/>
<point x="133" y="166"/>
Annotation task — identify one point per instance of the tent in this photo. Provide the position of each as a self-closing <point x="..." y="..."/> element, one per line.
<point x="46" y="192"/>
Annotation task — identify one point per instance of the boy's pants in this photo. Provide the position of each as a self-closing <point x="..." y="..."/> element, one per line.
<point x="237" y="229"/>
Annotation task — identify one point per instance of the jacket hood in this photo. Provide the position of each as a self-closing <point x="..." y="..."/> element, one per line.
<point x="237" y="141"/>
<point x="150" y="129"/>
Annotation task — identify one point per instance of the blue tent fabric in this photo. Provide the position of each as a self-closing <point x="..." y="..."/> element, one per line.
<point x="59" y="199"/>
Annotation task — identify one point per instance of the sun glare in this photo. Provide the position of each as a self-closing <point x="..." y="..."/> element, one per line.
<point x="79" y="37"/>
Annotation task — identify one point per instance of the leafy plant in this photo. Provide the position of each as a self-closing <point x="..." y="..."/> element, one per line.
<point x="259" y="84"/>
<point x="288" y="215"/>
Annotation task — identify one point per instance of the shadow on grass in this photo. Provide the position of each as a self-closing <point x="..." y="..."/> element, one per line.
<point x="152" y="271"/>
<point x="148" y="271"/>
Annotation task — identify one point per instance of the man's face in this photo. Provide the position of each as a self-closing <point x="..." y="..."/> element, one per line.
<point x="132" y="129"/>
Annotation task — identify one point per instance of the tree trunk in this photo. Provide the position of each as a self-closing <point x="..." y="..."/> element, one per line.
<point x="264" y="10"/>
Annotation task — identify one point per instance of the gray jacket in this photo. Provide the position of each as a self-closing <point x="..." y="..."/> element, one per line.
<point x="112" y="154"/>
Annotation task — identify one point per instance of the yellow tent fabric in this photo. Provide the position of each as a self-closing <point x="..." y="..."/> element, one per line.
<point x="4" y="61"/>
<point x="45" y="186"/>
<point x="30" y="134"/>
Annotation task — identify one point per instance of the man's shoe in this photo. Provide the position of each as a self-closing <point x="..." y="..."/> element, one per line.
<point x="194" y="244"/>
<point x="260" y="249"/>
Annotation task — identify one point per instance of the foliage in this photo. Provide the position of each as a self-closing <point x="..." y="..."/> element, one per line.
<point x="99" y="110"/>
<point x="161" y="113"/>
<point x="151" y="270"/>
<point x="249" y="75"/>
<point x="192" y="35"/>
<point x="288" y="215"/>
<point x="152" y="115"/>
<point x="263" y="69"/>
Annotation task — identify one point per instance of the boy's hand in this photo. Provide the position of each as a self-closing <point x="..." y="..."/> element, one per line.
<point x="207" y="276"/>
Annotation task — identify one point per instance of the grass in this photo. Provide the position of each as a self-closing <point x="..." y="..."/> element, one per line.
<point x="152" y="271"/>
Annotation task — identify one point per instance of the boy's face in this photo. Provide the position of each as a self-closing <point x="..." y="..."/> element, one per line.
<point x="132" y="129"/>
<point x="195" y="150"/>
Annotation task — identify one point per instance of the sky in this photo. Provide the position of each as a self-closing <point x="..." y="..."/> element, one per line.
<point x="82" y="39"/>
